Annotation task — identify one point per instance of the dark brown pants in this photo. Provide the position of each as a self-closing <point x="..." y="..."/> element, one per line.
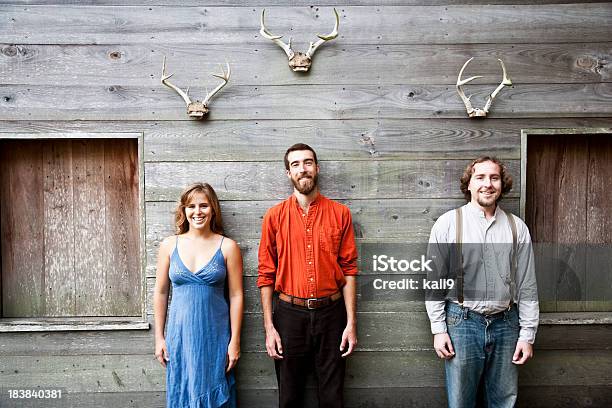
<point x="310" y="339"/>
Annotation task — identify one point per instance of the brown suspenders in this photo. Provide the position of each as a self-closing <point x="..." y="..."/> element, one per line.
<point x="458" y="242"/>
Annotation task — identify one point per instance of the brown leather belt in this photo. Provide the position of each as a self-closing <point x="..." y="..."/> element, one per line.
<point x="312" y="303"/>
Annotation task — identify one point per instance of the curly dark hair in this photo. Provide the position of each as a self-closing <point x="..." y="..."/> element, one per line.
<point x="180" y="220"/>
<point x="506" y="178"/>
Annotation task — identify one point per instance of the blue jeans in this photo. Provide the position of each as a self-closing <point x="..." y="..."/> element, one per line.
<point x="484" y="346"/>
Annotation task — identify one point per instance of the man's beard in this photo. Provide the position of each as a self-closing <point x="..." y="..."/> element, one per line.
<point x="491" y="203"/>
<point x="308" y="187"/>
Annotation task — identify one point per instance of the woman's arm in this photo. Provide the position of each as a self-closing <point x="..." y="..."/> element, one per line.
<point x="236" y="299"/>
<point x="160" y="299"/>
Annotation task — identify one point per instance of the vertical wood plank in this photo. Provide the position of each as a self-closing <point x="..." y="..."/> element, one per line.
<point x="22" y="230"/>
<point x="59" y="228"/>
<point x="571" y="221"/>
<point x="123" y="286"/>
<point x="599" y="232"/>
<point x="89" y="227"/>
<point x="540" y="214"/>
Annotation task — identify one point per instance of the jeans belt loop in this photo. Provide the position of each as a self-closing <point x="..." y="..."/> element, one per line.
<point x="464" y="312"/>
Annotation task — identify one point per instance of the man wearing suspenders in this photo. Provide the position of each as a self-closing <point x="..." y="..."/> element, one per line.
<point x="486" y="325"/>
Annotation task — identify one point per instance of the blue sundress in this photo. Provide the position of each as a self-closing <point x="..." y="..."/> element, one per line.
<point x="197" y="336"/>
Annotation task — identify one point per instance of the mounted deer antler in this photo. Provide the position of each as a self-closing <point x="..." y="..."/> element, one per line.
<point x="477" y="112"/>
<point x="298" y="61"/>
<point x="196" y="109"/>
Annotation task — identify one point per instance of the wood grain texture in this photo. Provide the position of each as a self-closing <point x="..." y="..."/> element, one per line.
<point x="395" y="397"/>
<point x="123" y="280"/>
<point x="338" y="180"/>
<point x="140" y="65"/>
<point x="161" y="128"/>
<point x="118" y="102"/>
<point x="565" y="185"/>
<point x="62" y="258"/>
<point x="599" y="232"/>
<point x="266" y="3"/>
<point x="378" y="139"/>
<point x="378" y="331"/>
<point x="89" y="228"/>
<point x="556" y="23"/>
<point x="22" y="273"/>
<point x="374" y="139"/>
<point x="58" y="210"/>
<point x="366" y="370"/>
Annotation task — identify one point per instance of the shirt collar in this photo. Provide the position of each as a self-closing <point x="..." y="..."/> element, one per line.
<point x="475" y="210"/>
<point x="314" y="203"/>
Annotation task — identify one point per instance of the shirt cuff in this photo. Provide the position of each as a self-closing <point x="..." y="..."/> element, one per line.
<point x="265" y="281"/>
<point x="438" y="327"/>
<point x="351" y="270"/>
<point x="527" y="334"/>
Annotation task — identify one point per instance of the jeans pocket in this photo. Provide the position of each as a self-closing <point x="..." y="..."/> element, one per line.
<point x="453" y="319"/>
<point x="512" y="319"/>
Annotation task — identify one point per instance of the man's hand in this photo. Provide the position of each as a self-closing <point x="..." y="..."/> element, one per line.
<point x="443" y="346"/>
<point x="522" y="353"/>
<point x="273" y="343"/>
<point x="349" y="335"/>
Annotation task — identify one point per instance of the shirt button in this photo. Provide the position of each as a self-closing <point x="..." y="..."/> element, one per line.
<point x="303" y="215"/>
<point x="311" y="279"/>
<point x="309" y="262"/>
<point x="308" y="245"/>
<point x="308" y="230"/>
<point x="312" y="295"/>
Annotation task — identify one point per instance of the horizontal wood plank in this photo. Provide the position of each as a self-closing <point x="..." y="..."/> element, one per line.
<point x="555" y="23"/>
<point x="378" y="139"/>
<point x="140" y="65"/>
<point x="378" y="331"/>
<point x="388" y="397"/>
<point x="117" y="373"/>
<point x="118" y="102"/>
<point x="266" y="3"/>
<point x="338" y="180"/>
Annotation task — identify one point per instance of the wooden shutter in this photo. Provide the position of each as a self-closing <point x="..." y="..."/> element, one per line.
<point x="69" y="228"/>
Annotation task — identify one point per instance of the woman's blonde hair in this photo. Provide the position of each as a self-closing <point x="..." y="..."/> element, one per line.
<point x="180" y="219"/>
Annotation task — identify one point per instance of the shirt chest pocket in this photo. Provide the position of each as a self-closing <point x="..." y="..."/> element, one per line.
<point x="330" y="238"/>
<point x="503" y="257"/>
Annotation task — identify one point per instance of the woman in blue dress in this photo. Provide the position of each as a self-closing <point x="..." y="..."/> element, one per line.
<point x="202" y="340"/>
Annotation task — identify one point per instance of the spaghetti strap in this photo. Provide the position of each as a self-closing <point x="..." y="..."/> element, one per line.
<point x="222" y="238"/>
<point x="176" y="243"/>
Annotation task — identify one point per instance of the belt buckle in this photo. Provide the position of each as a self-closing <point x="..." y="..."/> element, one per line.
<point x="308" y="303"/>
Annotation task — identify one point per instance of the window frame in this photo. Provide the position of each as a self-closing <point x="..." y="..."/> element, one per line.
<point x="46" y="324"/>
<point x="563" y="318"/>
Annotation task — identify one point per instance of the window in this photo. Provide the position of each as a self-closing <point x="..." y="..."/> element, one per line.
<point x="566" y="200"/>
<point x="70" y="231"/>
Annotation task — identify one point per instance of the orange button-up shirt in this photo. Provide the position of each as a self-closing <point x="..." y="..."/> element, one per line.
<point x="307" y="254"/>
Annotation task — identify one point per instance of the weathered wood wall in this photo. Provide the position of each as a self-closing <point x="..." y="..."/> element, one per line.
<point x="380" y="107"/>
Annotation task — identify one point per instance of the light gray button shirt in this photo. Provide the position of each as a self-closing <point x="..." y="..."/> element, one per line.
<point x="487" y="267"/>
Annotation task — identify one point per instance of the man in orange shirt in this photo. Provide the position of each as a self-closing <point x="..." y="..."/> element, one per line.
<point x="307" y="278"/>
